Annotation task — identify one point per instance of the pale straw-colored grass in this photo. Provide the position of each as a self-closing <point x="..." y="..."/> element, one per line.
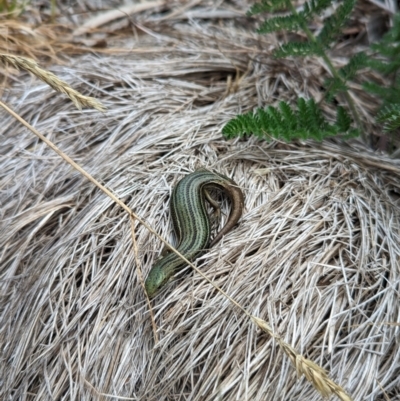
<point x="23" y="63"/>
<point x="315" y="255"/>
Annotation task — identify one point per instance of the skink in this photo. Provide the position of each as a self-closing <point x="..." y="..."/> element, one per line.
<point x="192" y="223"/>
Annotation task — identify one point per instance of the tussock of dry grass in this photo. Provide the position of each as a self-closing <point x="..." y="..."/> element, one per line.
<point x="315" y="255"/>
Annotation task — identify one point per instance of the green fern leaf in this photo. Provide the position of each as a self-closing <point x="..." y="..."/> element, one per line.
<point x="343" y="120"/>
<point x="288" y="116"/>
<point x="307" y="122"/>
<point x="383" y="66"/>
<point x="337" y="85"/>
<point x="375" y="88"/>
<point x="388" y="95"/>
<point x="267" y="6"/>
<point x="333" y="25"/>
<point x="390" y="38"/>
<point x="351" y="133"/>
<point x="358" y="61"/>
<point x="289" y="22"/>
<point x="296" y="49"/>
<point x="334" y="86"/>
<point x="315" y="7"/>
<point x="390" y="117"/>
<point x="311" y="8"/>
<point x="302" y="118"/>
<point x="389" y="48"/>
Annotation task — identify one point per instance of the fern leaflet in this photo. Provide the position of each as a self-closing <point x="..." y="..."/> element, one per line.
<point x="287" y="124"/>
<point x="334" y="24"/>
<point x="390" y="116"/>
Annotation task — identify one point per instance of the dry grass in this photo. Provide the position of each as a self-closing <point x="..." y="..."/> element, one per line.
<point x="23" y="63"/>
<point x="316" y="254"/>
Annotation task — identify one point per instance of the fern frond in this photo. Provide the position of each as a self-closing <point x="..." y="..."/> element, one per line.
<point x="385" y="67"/>
<point x="389" y="50"/>
<point x="289" y="116"/>
<point x="394" y="34"/>
<point x="315" y="7"/>
<point x="268" y="6"/>
<point x="315" y="121"/>
<point x="388" y="95"/>
<point x="358" y="61"/>
<point x="297" y="49"/>
<point x="311" y="8"/>
<point x="390" y="37"/>
<point x="376" y="89"/>
<point x="388" y="47"/>
<point x="292" y="22"/>
<point x="307" y="122"/>
<point x="388" y="63"/>
<point x="337" y="85"/>
<point x="343" y="120"/>
<point x="334" y="86"/>
<point x="289" y="22"/>
<point x="390" y="117"/>
<point x="334" y="24"/>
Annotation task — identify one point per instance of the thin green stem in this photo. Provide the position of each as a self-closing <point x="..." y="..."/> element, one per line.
<point x="53" y="8"/>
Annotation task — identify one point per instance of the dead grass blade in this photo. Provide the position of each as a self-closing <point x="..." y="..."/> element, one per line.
<point x="111" y="15"/>
<point x="52" y="80"/>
